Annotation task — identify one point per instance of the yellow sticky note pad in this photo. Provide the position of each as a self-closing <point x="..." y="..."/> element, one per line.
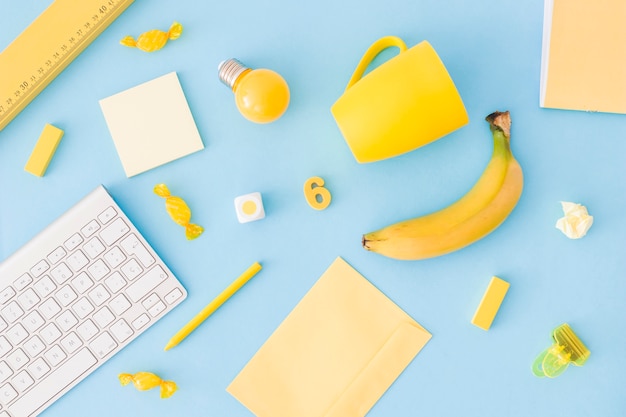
<point x="489" y="305"/>
<point x="334" y="355"/>
<point x="151" y="124"/>
<point x="44" y="150"/>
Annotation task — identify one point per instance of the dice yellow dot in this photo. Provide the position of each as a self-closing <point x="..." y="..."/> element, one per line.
<point x="248" y="207"/>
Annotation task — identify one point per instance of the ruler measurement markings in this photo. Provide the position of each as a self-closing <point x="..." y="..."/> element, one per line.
<point x="49" y="63"/>
<point x="74" y="40"/>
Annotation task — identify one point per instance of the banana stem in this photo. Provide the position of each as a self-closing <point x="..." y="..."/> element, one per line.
<point x="500" y="121"/>
<point x="500" y="126"/>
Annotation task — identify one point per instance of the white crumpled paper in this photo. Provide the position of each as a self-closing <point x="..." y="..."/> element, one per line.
<point x="576" y="221"/>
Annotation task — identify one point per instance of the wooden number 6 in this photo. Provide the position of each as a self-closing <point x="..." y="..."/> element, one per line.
<point x="316" y="195"/>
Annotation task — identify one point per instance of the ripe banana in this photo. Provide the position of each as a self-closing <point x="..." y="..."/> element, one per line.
<point x="472" y="217"/>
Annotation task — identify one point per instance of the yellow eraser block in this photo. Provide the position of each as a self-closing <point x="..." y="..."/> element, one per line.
<point x="489" y="305"/>
<point x="44" y="150"/>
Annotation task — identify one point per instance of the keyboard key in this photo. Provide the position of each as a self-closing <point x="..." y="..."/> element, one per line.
<point x="12" y="312"/>
<point x="71" y="343"/>
<point x="150" y="301"/>
<point x="104" y="317"/>
<point x="28" y="299"/>
<point x="39" y="268"/>
<point x="17" y="334"/>
<point x="61" y="273"/>
<point x="56" y="255"/>
<point x="34" y="346"/>
<point x="17" y="359"/>
<point x="6" y="294"/>
<point x="121" y="330"/>
<point x="141" y="321"/>
<point x="103" y="345"/>
<point x="107" y="215"/>
<point x="90" y="228"/>
<point x="131" y="269"/>
<point x="44" y="286"/>
<point x="133" y="246"/>
<point x="5" y="372"/>
<point x="66" y="295"/>
<point x="33" y="321"/>
<point x="7" y="393"/>
<point x="94" y="248"/>
<point x="99" y="295"/>
<point x="73" y="242"/>
<point x="173" y="295"/>
<point x="98" y="269"/>
<point x="66" y="321"/>
<point x="157" y="309"/>
<point x="82" y="282"/>
<point x="50" y="333"/>
<point x="115" y="282"/>
<point x="54" y="383"/>
<point x="22" y="282"/>
<point x="3" y="324"/>
<point x="114" y="231"/>
<point x="87" y="330"/>
<point x="22" y="381"/>
<point x="49" y="308"/>
<point x="82" y="308"/>
<point x="114" y="257"/>
<point x="119" y="304"/>
<point x="77" y="261"/>
<point x="55" y="355"/>
<point x="146" y="283"/>
<point x="5" y="346"/>
<point x="38" y="368"/>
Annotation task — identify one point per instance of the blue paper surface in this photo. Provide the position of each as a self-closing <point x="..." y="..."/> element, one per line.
<point x="493" y="52"/>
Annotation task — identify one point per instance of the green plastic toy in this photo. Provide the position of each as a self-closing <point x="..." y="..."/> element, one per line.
<point x="567" y="348"/>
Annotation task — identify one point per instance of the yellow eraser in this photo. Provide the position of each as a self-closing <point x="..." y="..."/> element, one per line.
<point x="489" y="305"/>
<point x="44" y="150"/>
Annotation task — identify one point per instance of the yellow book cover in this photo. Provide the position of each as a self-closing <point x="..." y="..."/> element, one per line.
<point x="583" y="64"/>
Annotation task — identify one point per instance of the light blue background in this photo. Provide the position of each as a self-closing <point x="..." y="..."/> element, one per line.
<point x="492" y="50"/>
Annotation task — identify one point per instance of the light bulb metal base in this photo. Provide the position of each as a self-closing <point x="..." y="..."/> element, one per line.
<point x="230" y="70"/>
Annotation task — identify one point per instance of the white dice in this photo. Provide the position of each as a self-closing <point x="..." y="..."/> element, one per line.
<point x="249" y="207"/>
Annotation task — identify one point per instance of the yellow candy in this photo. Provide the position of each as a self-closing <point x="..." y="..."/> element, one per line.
<point x="153" y="40"/>
<point x="178" y="211"/>
<point x="144" y="381"/>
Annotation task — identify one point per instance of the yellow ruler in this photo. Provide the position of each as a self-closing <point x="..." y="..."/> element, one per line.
<point x="47" y="46"/>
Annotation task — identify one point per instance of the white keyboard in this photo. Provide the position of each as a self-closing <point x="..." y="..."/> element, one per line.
<point x="72" y="297"/>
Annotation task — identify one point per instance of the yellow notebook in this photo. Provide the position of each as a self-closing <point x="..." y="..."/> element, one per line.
<point x="583" y="65"/>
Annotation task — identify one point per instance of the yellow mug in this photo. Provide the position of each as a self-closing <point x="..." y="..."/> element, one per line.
<point x="406" y="102"/>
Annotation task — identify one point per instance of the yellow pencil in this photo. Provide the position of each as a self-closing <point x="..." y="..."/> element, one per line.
<point x="213" y="305"/>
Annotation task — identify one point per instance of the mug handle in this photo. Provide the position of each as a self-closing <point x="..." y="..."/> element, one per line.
<point x="376" y="48"/>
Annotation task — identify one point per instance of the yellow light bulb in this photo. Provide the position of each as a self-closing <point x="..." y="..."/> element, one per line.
<point x="261" y="95"/>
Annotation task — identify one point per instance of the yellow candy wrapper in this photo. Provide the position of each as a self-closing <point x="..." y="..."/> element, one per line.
<point x="155" y="39"/>
<point x="178" y="211"/>
<point x="144" y="381"/>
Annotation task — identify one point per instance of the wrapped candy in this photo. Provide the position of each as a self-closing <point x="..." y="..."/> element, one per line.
<point x="155" y="39"/>
<point x="178" y="211"/>
<point x="144" y="381"/>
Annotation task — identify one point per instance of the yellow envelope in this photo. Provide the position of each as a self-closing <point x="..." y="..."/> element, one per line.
<point x="334" y="355"/>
